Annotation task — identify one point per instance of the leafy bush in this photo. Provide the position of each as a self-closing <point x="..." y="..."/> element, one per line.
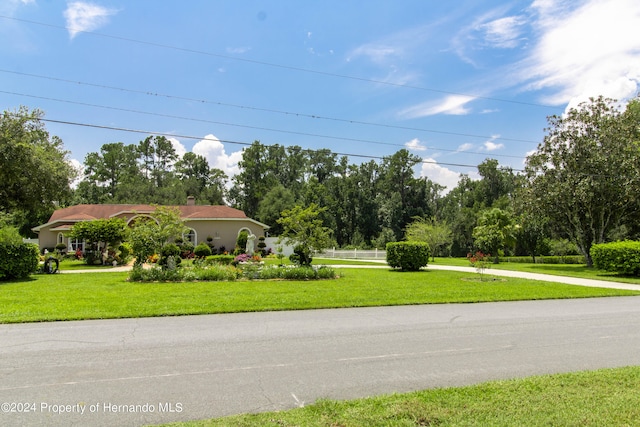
<point x="18" y="260"/>
<point x="219" y="259"/>
<point x="125" y="250"/>
<point x="408" y="256"/>
<point x="202" y="250"/>
<point x="296" y="273"/>
<point x="155" y="274"/>
<point x="622" y="257"/>
<point x="170" y="255"/>
<point x="218" y="273"/>
<point x="301" y="256"/>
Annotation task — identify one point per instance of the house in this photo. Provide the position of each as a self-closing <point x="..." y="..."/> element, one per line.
<point x="222" y="223"/>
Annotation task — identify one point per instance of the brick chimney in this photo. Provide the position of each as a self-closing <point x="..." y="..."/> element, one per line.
<point x="191" y="201"/>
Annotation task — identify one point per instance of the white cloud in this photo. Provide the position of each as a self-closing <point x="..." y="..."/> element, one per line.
<point x="503" y="32"/>
<point x="439" y="174"/>
<point x="83" y="16"/>
<point x="78" y="166"/>
<point x="490" y="145"/>
<point x="415" y="145"/>
<point x="586" y="51"/>
<point x="451" y="104"/>
<point x="178" y="146"/>
<point x="214" y="151"/>
<point x="465" y="147"/>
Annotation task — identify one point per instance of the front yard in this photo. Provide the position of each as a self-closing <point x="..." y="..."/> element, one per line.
<point x="102" y="295"/>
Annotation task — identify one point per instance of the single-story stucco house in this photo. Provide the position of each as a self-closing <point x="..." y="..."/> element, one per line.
<point x="222" y="223"/>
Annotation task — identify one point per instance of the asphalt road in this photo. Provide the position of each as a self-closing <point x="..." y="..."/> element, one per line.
<point x="132" y="372"/>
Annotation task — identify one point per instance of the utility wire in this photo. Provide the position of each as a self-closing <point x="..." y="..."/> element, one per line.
<point x="243" y="126"/>
<point x="289" y="113"/>
<point x="173" y="135"/>
<point x="274" y="65"/>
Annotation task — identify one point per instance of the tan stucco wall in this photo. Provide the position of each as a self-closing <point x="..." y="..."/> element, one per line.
<point x="225" y="232"/>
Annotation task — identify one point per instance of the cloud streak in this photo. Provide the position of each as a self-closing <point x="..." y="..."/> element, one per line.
<point x="451" y="104"/>
<point x="82" y="16"/>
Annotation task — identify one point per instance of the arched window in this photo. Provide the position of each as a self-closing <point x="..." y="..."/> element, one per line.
<point x="191" y="236"/>
<point x="60" y="238"/>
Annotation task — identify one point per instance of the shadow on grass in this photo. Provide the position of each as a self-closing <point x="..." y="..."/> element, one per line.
<point x="23" y="280"/>
<point x="397" y="270"/>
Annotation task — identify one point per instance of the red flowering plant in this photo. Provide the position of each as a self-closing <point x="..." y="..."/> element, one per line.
<point x="480" y="261"/>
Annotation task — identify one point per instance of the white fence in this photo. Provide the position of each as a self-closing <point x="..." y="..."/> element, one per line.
<point x="353" y="254"/>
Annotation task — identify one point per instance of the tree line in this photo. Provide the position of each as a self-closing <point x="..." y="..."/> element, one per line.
<point x="580" y="187"/>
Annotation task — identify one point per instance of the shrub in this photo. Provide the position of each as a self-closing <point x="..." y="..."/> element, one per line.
<point x="301" y="256"/>
<point x="170" y="255"/>
<point x="621" y="257"/>
<point x="202" y="250"/>
<point x="218" y="273"/>
<point x="125" y="250"/>
<point x="18" y="260"/>
<point x="219" y="259"/>
<point x="408" y="256"/>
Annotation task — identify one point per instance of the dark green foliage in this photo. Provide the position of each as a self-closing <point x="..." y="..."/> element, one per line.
<point x="18" y="261"/>
<point x="621" y="257"/>
<point x="566" y="259"/>
<point x="220" y="259"/>
<point x="408" y="256"/>
<point x="202" y="250"/>
<point x="170" y="251"/>
<point x="241" y="242"/>
<point x="301" y="256"/>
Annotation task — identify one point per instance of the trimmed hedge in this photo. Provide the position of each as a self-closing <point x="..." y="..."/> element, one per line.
<point x="18" y="260"/>
<point x="408" y="256"/>
<point x="621" y="257"/>
<point x="546" y="259"/>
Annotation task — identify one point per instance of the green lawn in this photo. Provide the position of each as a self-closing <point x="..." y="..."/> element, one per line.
<point x="607" y="397"/>
<point x="571" y="270"/>
<point x="108" y="295"/>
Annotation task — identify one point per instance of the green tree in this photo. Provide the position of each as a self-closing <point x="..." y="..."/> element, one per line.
<point x="99" y="234"/>
<point x="302" y="228"/>
<point x="494" y="232"/>
<point x="436" y="233"/>
<point x="585" y="175"/>
<point x="277" y="200"/>
<point x="35" y="172"/>
<point x="149" y="234"/>
<point x="107" y="172"/>
<point x="254" y="180"/>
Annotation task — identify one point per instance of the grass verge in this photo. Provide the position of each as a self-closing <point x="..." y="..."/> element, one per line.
<point x="108" y="295"/>
<point x="597" y="398"/>
<point x="570" y="270"/>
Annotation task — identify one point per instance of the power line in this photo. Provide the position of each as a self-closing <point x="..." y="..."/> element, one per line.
<point x="289" y="113"/>
<point x="173" y="135"/>
<point x="244" y="126"/>
<point x="274" y="65"/>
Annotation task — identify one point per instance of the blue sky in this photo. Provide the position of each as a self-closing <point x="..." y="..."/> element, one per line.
<point x="454" y="82"/>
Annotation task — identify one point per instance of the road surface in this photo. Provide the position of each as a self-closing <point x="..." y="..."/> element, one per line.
<point x="131" y="372"/>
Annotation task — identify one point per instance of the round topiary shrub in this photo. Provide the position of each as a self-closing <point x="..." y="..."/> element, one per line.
<point x="408" y="256"/>
<point x="202" y="250"/>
